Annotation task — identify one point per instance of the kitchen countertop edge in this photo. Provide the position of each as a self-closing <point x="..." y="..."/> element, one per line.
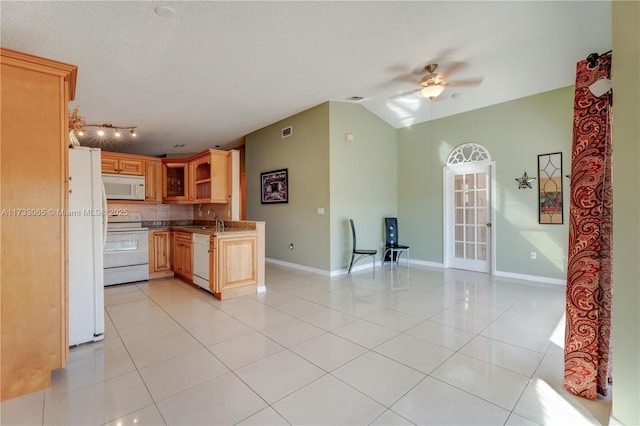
<point x="212" y="231"/>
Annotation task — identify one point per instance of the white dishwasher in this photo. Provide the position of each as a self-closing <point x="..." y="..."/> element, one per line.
<point x="201" y="260"/>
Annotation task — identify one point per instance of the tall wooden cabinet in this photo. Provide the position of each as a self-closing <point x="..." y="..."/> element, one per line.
<point x="160" y="253"/>
<point x="153" y="181"/>
<point x="183" y="255"/>
<point x="33" y="244"/>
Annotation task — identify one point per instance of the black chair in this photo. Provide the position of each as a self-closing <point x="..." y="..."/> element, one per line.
<point x="393" y="250"/>
<point x="360" y="252"/>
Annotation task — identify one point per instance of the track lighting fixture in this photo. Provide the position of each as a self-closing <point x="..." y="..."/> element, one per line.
<point x="107" y="126"/>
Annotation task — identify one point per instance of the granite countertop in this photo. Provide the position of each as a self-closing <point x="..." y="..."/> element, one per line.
<point x="202" y="227"/>
<point x="211" y="230"/>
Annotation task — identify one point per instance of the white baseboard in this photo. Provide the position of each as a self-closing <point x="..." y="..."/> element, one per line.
<point x="546" y="280"/>
<point x="297" y="266"/>
<point x="424" y="263"/>
<point x="321" y="271"/>
<point x="615" y="422"/>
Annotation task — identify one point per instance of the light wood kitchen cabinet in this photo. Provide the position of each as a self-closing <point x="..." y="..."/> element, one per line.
<point x="160" y="253"/>
<point x="176" y="181"/>
<point x="153" y="181"/>
<point x="211" y="177"/>
<point x="183" y="255"/>
<point x="199" y="179"/>
<point x="233" y="265"/>
<point x="122" y="164"/>
<point x="33" y="244"/>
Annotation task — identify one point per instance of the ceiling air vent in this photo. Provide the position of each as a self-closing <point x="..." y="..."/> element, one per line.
<point x="287" y="131"/>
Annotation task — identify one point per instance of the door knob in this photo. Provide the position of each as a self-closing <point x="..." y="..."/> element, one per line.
<point x="489" y="225"/>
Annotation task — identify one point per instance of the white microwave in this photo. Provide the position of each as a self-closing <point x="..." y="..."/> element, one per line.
<point x="120" y="187"/>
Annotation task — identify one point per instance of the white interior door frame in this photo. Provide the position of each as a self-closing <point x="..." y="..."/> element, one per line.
<point x="468" y="158"/>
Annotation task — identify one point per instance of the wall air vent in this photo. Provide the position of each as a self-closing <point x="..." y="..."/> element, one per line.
<point x="287" y="131"/>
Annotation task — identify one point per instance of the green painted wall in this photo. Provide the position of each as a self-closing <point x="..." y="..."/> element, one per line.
<point x="626" y="212"/>
<point x="363" y="179"/>
<point x="515" y="133"/>
<point x="306" y="154"/>
<point x="347" y="179"/>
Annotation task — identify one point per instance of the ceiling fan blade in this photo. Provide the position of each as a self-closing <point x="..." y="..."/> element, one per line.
<point x="406" y="78"/>
<point x="401" y="95"/>
<point x="468" y="82"/>
<point x="453" y="68"/>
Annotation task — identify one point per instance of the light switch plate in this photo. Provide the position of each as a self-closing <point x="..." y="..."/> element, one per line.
<point x="320" y="210"/>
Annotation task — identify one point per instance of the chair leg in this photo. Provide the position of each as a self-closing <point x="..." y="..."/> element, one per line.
<point x="373" y="259"/>
<point x="351" y="264"/>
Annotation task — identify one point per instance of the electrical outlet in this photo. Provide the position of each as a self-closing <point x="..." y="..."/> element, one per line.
<point x="534" y="255"/>
<point x="291" y="246"/>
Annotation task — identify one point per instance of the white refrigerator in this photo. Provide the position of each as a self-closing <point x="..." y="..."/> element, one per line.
<point x="87" y="227"/>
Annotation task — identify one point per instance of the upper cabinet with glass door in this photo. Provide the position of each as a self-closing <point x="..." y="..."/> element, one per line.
<point x="176" y="180"/>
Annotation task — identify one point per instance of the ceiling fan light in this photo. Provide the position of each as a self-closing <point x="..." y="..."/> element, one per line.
<point x="432" y="91"/>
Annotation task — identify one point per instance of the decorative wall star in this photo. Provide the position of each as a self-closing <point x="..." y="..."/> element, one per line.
<point x="525" y="181"/>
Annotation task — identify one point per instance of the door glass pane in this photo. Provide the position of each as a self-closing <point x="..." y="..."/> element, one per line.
<point x="457" y="182"/>
<point x="482" y="252"/>
<point x="459" y="216"/>
<point x="469" y="198"/>
<point x="471" y="234"/>
<point x="470" y="181"/>
<point x="482" y="215"/>
<point x="459" y="250"/>
<point x="482" y="198"/>
<point x="470" y="253"/>
<point x="482" y="180"/>
<point x="458" y="199"/>
<point x="470" y="216"/>
<point x="482" y="233"/>
<point x="459" y="233"/>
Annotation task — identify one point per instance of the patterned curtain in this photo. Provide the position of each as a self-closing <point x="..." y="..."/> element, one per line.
<point x="589" y="271"/>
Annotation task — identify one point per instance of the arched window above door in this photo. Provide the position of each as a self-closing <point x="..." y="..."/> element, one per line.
<point x="468" y="153"/>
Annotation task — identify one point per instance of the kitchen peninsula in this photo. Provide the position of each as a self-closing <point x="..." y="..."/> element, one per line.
<point x="226" y="260"/>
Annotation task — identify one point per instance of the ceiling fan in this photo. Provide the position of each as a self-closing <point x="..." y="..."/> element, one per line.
<point x="433" y="83"/>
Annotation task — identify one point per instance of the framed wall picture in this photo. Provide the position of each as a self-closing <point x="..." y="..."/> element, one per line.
<point x="550" y="188"/>
<point x="275" y="186"/>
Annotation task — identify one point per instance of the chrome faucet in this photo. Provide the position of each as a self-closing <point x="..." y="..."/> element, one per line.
<point x="219" y="223"/>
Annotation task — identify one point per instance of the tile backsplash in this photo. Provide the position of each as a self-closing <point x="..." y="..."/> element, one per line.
<point x="202" y="212"/>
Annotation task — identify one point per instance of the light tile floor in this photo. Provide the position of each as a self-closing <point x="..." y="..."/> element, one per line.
<point x="410" y="346"/>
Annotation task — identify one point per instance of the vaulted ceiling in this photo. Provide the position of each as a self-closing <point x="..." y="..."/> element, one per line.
<point x="204" y="74"/>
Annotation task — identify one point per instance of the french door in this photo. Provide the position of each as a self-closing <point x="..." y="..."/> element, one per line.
<point x="468" y="217"/>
